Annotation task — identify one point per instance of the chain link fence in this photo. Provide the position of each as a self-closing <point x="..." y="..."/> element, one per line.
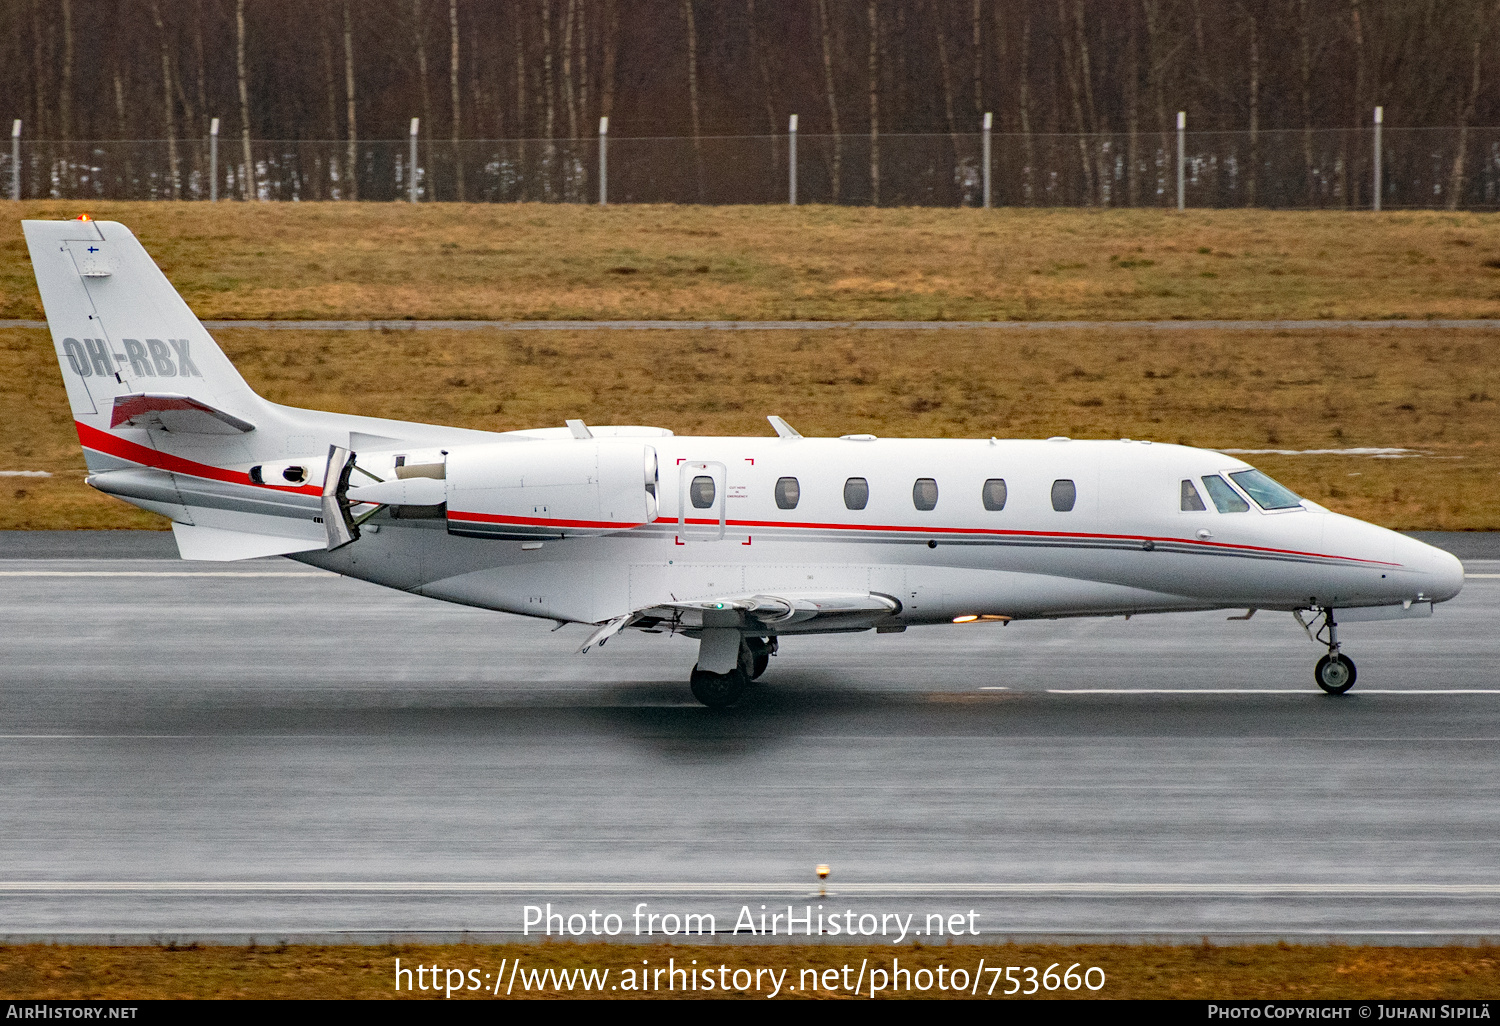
<point x="1421" y="168"/>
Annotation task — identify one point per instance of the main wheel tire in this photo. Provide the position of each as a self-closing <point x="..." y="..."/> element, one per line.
<point x="1335" y="674"/>
<point x="718" y="690"/>
<point x="759" y="650"/>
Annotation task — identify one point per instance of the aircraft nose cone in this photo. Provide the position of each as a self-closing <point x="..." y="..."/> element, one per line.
<point x="1442" y="572"/>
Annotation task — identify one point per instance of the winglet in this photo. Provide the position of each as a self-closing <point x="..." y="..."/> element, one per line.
<point x="783" y="429"/>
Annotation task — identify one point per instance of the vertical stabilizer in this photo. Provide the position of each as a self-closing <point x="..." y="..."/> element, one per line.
<point x="119" y="327"/>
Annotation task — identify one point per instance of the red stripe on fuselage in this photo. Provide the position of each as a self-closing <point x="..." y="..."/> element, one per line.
<point x="120" y="448"/>
<point x="904" y="528"/>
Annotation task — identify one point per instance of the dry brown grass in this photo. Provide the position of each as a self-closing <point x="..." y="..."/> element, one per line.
<point x="331" y="260"/>
<point x="1436" y="392"/>
<point x="1201" y="972"/>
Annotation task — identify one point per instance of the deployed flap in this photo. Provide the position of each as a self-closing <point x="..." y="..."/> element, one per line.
<point x="171" y="411"/>
<point x="212" y="543"/>
<point x="797" y="607"/>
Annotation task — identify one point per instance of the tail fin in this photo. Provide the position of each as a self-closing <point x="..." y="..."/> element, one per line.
<point x="120" y="329"/>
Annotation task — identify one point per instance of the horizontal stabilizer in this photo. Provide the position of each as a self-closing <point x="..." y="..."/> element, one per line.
<point x="217" y="545"/>
<point x="169" y="411"/>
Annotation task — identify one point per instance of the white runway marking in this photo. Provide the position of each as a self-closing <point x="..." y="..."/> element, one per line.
<point x="164" y="573"/>
<point x="749" y="887"/>
<point x="1480" y="577"/>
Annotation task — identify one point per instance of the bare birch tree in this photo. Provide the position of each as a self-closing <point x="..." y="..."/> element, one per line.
<point x="174" y="178"/>
<point x="352" y="171"/>
<point x="874" y="76"/>
<point x="247" y="175"/>
<point x="692" y="68"/>
<point x="419" y="34"/>
<point x="458" y="162"/>
<point x="833" y="103"/>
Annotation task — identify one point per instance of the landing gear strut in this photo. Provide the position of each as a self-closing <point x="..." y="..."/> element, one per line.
<point x="1335" y="672"/>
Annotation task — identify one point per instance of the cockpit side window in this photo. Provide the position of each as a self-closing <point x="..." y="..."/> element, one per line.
<point x="1192" y="502"/>
<point x="1226" y="499"/>
<point x="1268" y="494"/>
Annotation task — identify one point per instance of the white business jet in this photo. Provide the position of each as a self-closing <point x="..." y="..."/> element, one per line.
<point x="736" y="542"/>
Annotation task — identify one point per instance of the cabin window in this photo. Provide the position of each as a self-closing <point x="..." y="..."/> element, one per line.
<point x="1267" y="493"/>
<point x="788" y="492"/>
<point x="701" y="491"/>
<point x="924" y="494"/>
<point x="856" y="493"/>
<point x="1064" y="495"/>
<point x="993" y="494"/>
<point x="1226" y="499"/>
<point x="1192" y="502"/>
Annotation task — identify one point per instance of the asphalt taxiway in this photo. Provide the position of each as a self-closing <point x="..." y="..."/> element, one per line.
<point x="262" y="749"/>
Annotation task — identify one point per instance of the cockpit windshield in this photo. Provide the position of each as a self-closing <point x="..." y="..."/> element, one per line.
<point x="1266" y="492"/>
<point x="1226" y="499"/>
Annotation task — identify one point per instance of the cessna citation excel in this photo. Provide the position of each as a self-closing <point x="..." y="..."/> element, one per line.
<point x="735" y="542"/>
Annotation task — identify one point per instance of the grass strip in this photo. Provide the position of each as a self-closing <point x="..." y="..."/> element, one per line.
<point x="298" y="261"/>
<point x="1436" y="395"/>
<point x="1280" y="971"/>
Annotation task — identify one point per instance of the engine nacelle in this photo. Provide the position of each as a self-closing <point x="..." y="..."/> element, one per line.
<point x="551" y="489"/>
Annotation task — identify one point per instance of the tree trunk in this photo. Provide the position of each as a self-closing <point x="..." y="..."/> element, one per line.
<point x="419" y="34"/>
<point x="1132" y="111"/>
<point x="945" y="69"/>
<point x="353" y="154"/>
<point x="570" y="95"/>
<point x="202" y="82"/>
<point x="833" y="105"/>
<point x="549" y="92"/>
<point x="1086" y="77"/>
<point x="247" y="175"/>
<point x="1304" y="32"/>
<point x="458" y="163"/>
<point x="1465" y="115"/>
<point x="331" y="95"/>
<point x="874" y="75"/>
<point x="166" y="97"/>
<point x="1346" y="183"/>
<point x="523" y="119"/>
<point x="692" y="56"/>
<point x="611" y="47"/>
<point x="978" y="62"/>
<point x="1075" y="98"/>
<point x="65" y="97"/>
<point x="758" y="54"/>
<point x="1023" y="106"/>
<point x="1254" y="111"/>
<point x="1156" y="68"/>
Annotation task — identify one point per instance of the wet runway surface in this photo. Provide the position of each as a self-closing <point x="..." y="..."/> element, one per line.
<point x="265" y="749"/>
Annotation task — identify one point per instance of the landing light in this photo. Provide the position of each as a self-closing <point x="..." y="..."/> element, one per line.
<point x="982" y="618"/>
<point x="965" y="619"/>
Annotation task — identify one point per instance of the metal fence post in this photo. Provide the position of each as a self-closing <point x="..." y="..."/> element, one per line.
<point x="604" y="161"/>
<point x="989" y="120"/>
<point x="1379" y="117"/>
<point x="1182" y="160"/>
<point x="411" y="173"/>
<point x="213" y="160"/>
<point x="15" y="160"/>
<point x="791" y="184"/>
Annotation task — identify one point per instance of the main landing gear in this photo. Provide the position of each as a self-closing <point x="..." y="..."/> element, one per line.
<point x="720" y="690"/>
<point x="1335" y="672"/>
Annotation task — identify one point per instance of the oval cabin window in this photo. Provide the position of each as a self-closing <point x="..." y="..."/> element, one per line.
<point x="701" y="491"/>
<point x="1064" y="495"/>
<point x="787" y="493"/>
<point x="856" y="493"/>
<point x="924" y="494"/>
<point x="994" y="494"/>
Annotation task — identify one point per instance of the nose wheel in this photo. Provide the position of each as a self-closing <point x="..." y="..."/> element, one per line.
<point x="1335" y="672"/>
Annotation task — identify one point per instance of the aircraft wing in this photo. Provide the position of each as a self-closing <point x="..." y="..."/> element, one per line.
<point x="800" y="611"/>
<point x="170" y="411"/>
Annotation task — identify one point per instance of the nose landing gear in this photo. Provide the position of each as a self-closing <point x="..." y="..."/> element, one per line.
<point x="1335" y="672"/>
